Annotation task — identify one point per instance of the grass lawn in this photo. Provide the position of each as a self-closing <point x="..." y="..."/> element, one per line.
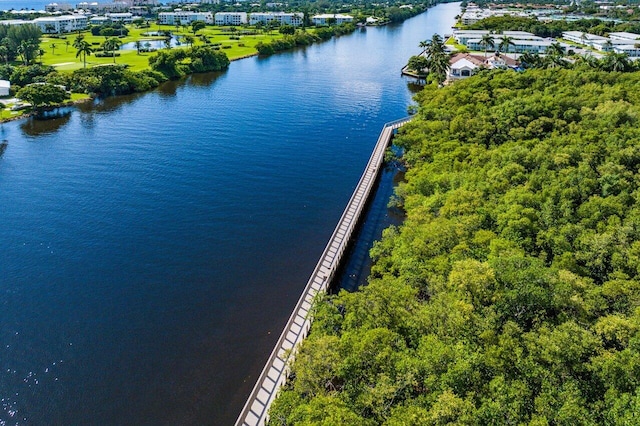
<point x="452" y="42"/>
<point x="61" y="54"/>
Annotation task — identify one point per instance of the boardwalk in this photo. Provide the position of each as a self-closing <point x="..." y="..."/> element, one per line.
<point x="276" y="371"/>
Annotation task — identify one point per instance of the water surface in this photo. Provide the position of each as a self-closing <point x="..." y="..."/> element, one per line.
<point x="152" y="246"/>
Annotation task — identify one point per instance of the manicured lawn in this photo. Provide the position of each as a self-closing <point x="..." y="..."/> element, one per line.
<point x="452" y="42"/>
<point x="61" y="54"/>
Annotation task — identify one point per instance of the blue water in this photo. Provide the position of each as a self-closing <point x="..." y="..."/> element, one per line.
<point x="152" y="246"/>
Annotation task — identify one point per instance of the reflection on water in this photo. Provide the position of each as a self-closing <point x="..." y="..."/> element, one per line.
<point x="3" y="147"/>
<point x="204" y="79"/>
<point x="415" y="86"/>
<point x="378" y="216"/>
<point x="46" y="122"/>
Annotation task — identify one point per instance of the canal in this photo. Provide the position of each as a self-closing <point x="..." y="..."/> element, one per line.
<point x="153" y="246"/>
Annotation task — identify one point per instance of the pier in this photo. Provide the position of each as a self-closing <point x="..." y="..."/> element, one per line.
<point x="276" y="370"/>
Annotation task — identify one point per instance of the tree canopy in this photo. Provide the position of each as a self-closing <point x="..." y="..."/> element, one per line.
<point x="511" y="293"/>
<point x="42" y="94"/>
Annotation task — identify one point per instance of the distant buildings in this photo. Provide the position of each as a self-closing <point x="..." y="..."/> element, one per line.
<point x="618" y="42"/>
<point x="61" y="24"/>
<point x="183" y="17"/>
<point x="230" y="18"/>
<point x="327" y="18"/>
<point x="522" y="41"/>
<point x="281" y="18"/>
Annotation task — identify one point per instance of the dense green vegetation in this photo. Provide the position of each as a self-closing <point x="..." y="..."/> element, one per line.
<point x="511" y="293"/>
<point x="553" y="28"/>
<point x="19" y="42"/>
<point x="114" y="79"/>
<point x="303" y="38"/>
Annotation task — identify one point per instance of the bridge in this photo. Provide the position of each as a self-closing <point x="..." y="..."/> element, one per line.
<point x="276" y="370"/>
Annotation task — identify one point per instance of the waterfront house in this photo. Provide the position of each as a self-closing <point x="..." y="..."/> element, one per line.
<point x="463" y="65"/>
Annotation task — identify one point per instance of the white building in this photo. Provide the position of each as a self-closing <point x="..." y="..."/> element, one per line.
<point x="172" y="18"/>
<point x="15" y="22"/>
<point x="617" y="40"/>
<point x="124" y="17"/>
<point x="295" y="19"/>
<point x="463" y="65"/>
<point x="61" y="24"/>
<point x="583" y="38"/>
<point x="231" y="18"/>
<point x="326" y="17"/>
<point x="522" y="41"/>
<point x="5" y="87"/>
<point x="58" y="7"/>
<point x="99" y="20"/>
<point x="624" y="36"/>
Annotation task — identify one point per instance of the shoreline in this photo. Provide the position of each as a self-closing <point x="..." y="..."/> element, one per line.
<point x="92" y="98"/>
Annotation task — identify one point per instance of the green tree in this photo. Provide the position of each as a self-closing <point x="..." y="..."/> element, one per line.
<point x="197" y="26"/>
<point x="42" y="94"/>
<point x="111" y="45"/>
<point x="287" y="29"/>
<point x="506" y="43"/>
<point x="84" y="49"/>
<point x="487" y="42"/>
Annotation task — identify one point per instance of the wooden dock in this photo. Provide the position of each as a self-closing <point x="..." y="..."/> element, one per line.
<point x="276" y="371"/>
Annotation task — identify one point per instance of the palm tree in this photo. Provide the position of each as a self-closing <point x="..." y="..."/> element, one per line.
<point x="530" y="60"/>
<point x="505" y="43"/>
<point x="84" y="49"/>
<point x="53" y="48"/>
<point x="435" y="45"/>
<point x="26" y="49"/>
<point x="487" y="41"/>
<point x="78" y="41"/>
<point x="147" y="46"/>
<point x="189" y="40"/>
<point x="583" y="38"/>
<point x="439" y="66"/>
<point x="607" y="45"/>
<point x="555" y="61"/>
<point x="555" y="49"/>
<point x="591" y="61"/>
<point x="437" y="57"/>
<point x="66" y="45"/>
<point x="111" y="45"/>
<point x="618" y="62"/>
<point x="423" y="45"/>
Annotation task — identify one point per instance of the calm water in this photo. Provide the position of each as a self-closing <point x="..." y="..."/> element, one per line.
<point x="152" y="247"/>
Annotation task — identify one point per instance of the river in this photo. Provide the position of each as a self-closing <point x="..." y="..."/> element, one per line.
<point x="152" y="246"/>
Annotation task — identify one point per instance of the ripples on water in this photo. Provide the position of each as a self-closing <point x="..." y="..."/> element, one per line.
<point x="152" y="246"/>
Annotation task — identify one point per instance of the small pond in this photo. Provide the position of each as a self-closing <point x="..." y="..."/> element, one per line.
<point x="153" y="44"/>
